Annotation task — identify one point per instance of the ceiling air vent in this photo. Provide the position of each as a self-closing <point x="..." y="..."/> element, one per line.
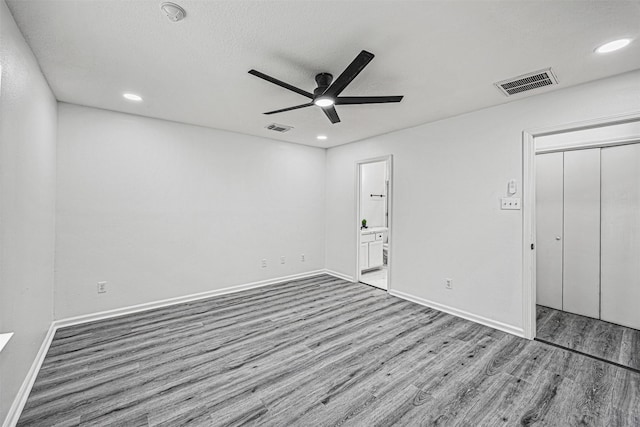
<point x="527" y="82"/>
<point x="279" y="128"/>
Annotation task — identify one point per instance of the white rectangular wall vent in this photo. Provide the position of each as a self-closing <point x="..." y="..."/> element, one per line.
<point x="526" y="82"/>
<point x="279" y="128"/>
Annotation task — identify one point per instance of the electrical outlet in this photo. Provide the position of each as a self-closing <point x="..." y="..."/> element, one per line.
<point x="448" y="283"/>
<point x="102" y="287"/>
<point x="302" y="258"/>
<point x="510" y="203"/>
<point x="282" y="260"/>
<point x="264" y="263"/>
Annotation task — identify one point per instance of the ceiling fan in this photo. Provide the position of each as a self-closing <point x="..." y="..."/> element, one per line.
<point x="326" y="94"/>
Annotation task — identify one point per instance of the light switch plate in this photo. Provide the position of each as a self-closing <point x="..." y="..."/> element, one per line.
<point x="510" y="203"/>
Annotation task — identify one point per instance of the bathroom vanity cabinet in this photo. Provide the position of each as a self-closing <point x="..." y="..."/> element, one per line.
<point x="371" y="248"/>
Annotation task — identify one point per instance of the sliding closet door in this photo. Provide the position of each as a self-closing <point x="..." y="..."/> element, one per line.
<point x="581" y="275"/>
<point x="621" y="235"/>
<point x="549" y="229"/>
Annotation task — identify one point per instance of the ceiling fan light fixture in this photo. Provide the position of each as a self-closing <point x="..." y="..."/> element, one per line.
<point x="324" y="101"/>
<point x="613" y="46"/>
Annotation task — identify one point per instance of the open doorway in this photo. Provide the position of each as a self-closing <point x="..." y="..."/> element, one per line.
<point x="583" y="213"/>
<point x="373" y="221"/>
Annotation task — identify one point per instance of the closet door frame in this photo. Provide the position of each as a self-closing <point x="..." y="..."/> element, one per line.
<point x="529" y="194"/>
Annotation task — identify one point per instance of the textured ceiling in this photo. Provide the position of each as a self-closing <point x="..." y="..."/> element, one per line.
<point x="443" y="56"/>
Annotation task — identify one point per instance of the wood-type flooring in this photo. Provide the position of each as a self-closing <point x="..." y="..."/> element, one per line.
<point x="318" y="352"/>
<point x="604" y="340"/>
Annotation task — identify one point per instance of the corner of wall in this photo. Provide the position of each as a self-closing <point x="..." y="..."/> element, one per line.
<point x="27" y="211"/>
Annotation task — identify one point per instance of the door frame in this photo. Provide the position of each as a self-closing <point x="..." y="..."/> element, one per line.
<point x="529" y="199"/>
<point x="358" y="175"/>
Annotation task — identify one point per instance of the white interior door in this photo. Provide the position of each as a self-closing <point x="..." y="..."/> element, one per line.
<point x="620" y="288"/>
<point x="581" y="249"/>
<point x="549" y="216"/>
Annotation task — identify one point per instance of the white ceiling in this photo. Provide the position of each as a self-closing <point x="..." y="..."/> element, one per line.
<point x="443" y="56"/>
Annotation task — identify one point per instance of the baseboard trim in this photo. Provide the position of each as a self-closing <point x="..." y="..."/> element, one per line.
<point x="339" y="275"/>
<point x="23" y="393"/>
<point x="71" y="321"/>
<point x="510" y="329"/>
<point x="21" y="398"/>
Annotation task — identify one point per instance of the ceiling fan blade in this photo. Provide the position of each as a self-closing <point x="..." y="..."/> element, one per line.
<point x="290" y="108"/>
<point x="350" y="73"/>
<point x="331" y="113"/>
<point x="346" y="100"/>
<point x="281" y="83"/>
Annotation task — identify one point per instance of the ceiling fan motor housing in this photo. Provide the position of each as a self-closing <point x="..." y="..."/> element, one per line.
<point x="324" y="81"/>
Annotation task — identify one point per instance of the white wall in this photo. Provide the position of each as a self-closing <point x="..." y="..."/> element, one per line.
<point x="160" y="209"/>
<point x="448" y="179"/>
<point x="27" y="201"/>
<point x="373" y="209"/>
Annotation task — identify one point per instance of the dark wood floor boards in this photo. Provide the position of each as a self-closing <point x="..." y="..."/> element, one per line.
<point x="345" y="361"/>
<point x="593" y="389"/>
<point x="310" y="379"/>
<point x="495" y="405"/>
<point x="318" y="352"/>
<point x="601" y="339"/>
<point x="121" y="328"/>
<point x="233" y="304"/>
<point x="98" y="353"/>
<point x="464" y="378"/>
<point x="626" y="395"/>
<point x="630" y="349"/>
<point x="161" y="378"/>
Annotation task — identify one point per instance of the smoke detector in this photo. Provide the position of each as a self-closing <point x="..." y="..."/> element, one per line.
<point x="173" y="11"/>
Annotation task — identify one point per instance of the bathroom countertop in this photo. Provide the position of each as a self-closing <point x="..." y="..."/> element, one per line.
<point x="373" y="230"/>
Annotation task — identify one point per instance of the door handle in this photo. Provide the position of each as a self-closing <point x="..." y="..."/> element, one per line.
<point x="558" y="238"/>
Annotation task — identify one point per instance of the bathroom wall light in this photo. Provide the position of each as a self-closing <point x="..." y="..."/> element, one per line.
<point x="613" y="46"/>
<point x="132" y="97"/>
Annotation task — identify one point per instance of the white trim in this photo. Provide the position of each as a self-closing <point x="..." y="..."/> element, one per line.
<point x="389" y="160"/>
<point x="339" y="275"/>
<point x="586" y="124"/>
<point x="528" y="236"/>
<point x="21" y="398"/>
<point x="4" y="339"/>
<point x="572" y="146"/>
<point x="528" y="211"/>
<point x="179" y="300"/>
<point x="510" y="329"/>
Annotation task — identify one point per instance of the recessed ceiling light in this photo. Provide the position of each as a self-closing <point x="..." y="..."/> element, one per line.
<point x="614" y="45"/>
<point x="321" y="137"/>
<point x="323" y="102"/>
<point x="132" y="97"/>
